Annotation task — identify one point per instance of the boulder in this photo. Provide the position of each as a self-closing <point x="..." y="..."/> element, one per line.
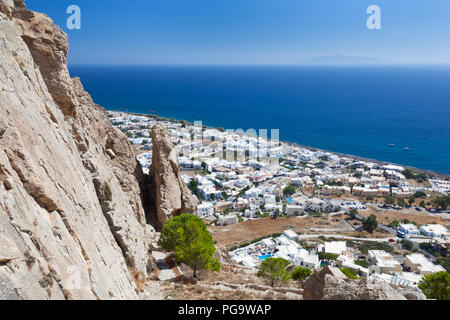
<point x="331" y="284"/>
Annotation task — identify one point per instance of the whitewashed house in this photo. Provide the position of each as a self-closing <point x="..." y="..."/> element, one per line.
<point x="294" y="210"/>
<point x="418" y="263"/>
<point x="434" y="230"/>
<point x="384" y="261"/>
<point x="205" y="209"/>
<point x="225" y="220"/>
<point x="334" y="247"/>
<point x="307" y="260"/>
<point x="408" y="229"/>
<point x="290" y="234"/>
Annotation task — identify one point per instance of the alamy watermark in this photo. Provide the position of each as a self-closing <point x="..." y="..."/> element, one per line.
<point x="74" y="20"/>
<point x="374" y="20"/>
<point x="232" y="145"/>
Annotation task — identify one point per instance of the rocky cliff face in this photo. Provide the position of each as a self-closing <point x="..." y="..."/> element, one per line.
<point x="168" y="192"/>
<point x="72" y="223"/>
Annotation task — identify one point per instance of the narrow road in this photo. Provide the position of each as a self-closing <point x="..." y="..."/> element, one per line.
<point x="339" y="236"/>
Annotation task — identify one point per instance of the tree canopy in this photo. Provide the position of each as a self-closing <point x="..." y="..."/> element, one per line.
<point x="274" y="270"/>
<point x="370" y="224"/>
<point x="419" y="176"/>
<point x="353" y="212"/>
<point x="445" y="262"/>
<point x="394" y="224"/>
<point x="441" y="203"/>
<point x="289" y="190"/>
<point x="436" y="285"/>
<point x="389" y="200"/>
<point x="193" y="244"/>
<point x="301" y="274"/>
<point x="401" y="202"/>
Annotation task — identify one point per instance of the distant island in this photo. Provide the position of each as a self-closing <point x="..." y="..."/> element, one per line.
<point x="346" y="60"/>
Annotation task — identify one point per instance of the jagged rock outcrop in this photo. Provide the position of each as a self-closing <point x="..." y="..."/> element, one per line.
<point x="331" y="284"/>
<point x="168" y="192"/>
<point x="72" y="220"/>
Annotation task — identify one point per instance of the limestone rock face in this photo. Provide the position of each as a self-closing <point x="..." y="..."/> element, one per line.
<point x="72" y="221"/>
<point x="48" y="45"/>
<point x="331" y="284"/>
<point x="170" y="195"/>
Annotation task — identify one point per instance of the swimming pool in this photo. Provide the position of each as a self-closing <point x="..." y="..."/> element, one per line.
<point x="264" y="257"/>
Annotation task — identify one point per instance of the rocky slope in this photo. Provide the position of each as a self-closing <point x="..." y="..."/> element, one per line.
<point x="72" y="222"/>
<point x="331" y="284"/>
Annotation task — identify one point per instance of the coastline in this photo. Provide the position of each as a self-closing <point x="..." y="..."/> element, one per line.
<point x="436" y="174"/>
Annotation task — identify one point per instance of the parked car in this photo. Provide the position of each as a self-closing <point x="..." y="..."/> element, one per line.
<point x="391" y="240"/>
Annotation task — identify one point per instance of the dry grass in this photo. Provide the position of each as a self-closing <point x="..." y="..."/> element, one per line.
<point x="227" y="236"/>
<point x="387" y="216"/>
<point x="139" y="279"/>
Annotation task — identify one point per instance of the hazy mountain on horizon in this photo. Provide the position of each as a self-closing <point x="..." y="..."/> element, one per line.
<point x="345" y="60"/>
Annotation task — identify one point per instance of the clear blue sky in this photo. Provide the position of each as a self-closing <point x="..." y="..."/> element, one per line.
<point x="251" y="31"/>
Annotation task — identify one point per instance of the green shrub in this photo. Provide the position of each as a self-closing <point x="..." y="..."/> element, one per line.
<point x="349" y="273"/>
<point x="107" y="191"/>
<point x="445" y="262"/>
<point x="367" y="245"/>
<point x="361" y="262"/>
<point x="289" y="190"/>
<point x="130" y="261"/>
<point x="436" y="285"/>
<point x="300" y="274"/>
<point x="370" y="224"/>
<point x="350" y="243"/>
<point x="327" y="256"/>
<point x="407" y="245"/>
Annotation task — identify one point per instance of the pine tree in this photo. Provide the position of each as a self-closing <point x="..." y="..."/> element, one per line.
<point x="436" y="285"/>
<point x="193" y="244"/>
<point x="301" y="274"/>
<point x="274" y="269"/>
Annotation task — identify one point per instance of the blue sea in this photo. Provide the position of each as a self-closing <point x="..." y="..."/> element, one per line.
<point x="353" y="110"/>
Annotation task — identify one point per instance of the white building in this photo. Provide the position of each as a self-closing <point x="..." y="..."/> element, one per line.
<point x="292" y="210"/>
<point x="404" y="279"/>
<point x="269" y="243"/>
<point x="253" y="193"/>
<point x="290" y="234"/>
<point x="314" y="204"/>
<point x="307" y="260"/>
<point x="270" y="199"/>
<point x="334" y="247"/>
<point x="297" y="181"/>
<point x="393" y="168"/>
<point x="418" y="263"/>
<point x="408" y="229"/>
<point x="225" y="220"/>
<point x="384" y="261"/>
<point x="205" y="209"/>
<point x="434" y="230"/>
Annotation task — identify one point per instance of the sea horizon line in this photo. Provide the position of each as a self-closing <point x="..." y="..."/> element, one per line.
<point x="262" y="65"/>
